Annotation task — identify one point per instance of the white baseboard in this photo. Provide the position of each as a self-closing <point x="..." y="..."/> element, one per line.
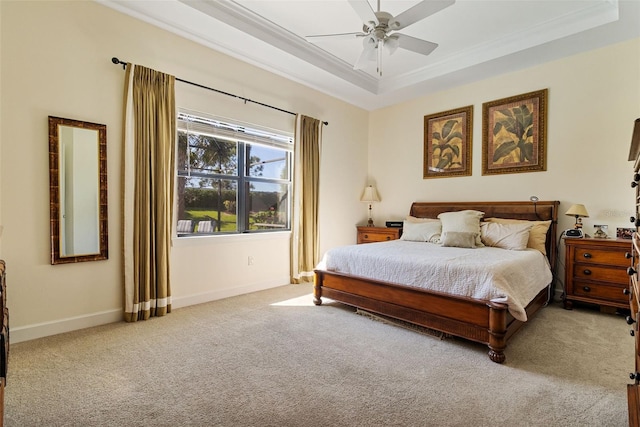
<point x="40" y="330"/>
<point x="226" y="293"/>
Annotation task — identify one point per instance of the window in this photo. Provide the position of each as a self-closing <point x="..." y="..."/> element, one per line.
<point x="232" y="178"/>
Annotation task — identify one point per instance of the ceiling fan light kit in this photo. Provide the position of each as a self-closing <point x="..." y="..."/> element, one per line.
<point x="379" y="24"/>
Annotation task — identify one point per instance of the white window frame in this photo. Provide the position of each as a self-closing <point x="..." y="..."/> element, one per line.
<point x="242" y="134"/>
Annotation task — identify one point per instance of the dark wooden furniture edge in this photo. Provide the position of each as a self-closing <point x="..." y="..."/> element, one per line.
<point x="4" y="337"/>
<point x="477" y="320"/>
<point x="633" y="402"/>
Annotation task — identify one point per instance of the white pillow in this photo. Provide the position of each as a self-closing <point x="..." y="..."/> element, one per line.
<point x="421" y="231"/>
<point x="506" y="236"/>
<point x="537" y="235"/>
<point x="467" y="221"/>
<point x="459" y="239"/>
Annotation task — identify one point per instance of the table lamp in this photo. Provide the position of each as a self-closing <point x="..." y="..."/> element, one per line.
<point x="578" y="211"/>
<point x="370" y="195"/>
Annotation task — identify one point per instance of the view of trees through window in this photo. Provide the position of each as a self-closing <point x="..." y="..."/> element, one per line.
<point x="229" y="180"/>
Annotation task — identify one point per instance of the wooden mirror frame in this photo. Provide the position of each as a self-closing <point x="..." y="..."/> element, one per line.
<point x="54" y="190"/>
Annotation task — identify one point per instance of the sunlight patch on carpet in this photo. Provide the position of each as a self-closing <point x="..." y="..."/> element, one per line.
<point x="303" y="301"/>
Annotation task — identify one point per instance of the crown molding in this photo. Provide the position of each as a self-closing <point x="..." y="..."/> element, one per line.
<point x="250" y="23"/>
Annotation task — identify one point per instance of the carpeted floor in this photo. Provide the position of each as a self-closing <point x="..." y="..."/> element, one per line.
<point x="271" y="358"/>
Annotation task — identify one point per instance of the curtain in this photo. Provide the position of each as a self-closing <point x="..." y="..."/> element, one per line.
<point x="304" y="228"/>
<point x="148" y="185"/>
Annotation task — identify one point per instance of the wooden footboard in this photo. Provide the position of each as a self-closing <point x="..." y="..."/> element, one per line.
<point x="476" y="320"/>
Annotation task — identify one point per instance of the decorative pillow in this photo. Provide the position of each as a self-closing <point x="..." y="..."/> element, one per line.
<point x="537" y="234"/>
<point x="467" y="221"/>
<point x="459" y="239"/>
<point x="505" y="236"/>
<point x="421" y="231"/>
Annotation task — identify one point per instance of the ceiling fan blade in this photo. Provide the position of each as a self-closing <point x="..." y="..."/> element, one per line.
<point x="415" y="45"/>
<point x="364" y="11"/>
<point x="338" y="36"/>
<point x="418" y="12"/>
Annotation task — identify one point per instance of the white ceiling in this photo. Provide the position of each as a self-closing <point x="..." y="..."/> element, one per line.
<point x="476" y="38"/>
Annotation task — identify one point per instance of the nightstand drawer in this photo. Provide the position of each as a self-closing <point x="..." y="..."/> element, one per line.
<point x="605" y="292"/>
<point x="600" y="256"/>
<point x="377" y="234"/>
<point x="601" y="273"/>
<point x="596" y="272"/>
<point x="375" y="237"/>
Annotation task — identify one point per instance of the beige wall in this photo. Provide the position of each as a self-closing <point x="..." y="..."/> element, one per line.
<point x="56" y="60"/>
<point x="593" y="100"/>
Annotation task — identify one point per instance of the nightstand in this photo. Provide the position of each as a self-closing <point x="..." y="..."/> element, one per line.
<point x="596" y="272"/>
<point x="377" y="234"/>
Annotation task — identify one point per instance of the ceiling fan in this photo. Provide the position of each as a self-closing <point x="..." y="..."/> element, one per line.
<point x="378" y="28"/>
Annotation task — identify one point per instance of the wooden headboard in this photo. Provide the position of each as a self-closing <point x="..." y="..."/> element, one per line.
<point x="539" y="211"/>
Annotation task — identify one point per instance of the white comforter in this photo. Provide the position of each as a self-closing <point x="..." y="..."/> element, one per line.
<point x="500" y="275"/>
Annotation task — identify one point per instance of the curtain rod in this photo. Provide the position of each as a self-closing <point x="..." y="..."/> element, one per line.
<point x="116" y="61"/>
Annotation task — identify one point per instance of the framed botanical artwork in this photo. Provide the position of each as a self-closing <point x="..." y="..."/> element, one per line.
<point x="447" y="143"/>
<point x="514" y="134"/>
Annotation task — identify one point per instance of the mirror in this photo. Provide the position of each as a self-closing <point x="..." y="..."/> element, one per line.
<point x="78" y="190"/>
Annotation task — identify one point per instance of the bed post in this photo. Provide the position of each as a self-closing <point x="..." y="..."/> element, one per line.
<point x="317" y="289"/>
<point x="497" y="332"/>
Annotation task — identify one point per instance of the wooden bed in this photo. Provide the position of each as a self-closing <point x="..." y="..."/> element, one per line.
<point x="482" y="321"/>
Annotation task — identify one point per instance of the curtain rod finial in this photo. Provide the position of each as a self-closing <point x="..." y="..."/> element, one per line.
<point x="117" y="62"/>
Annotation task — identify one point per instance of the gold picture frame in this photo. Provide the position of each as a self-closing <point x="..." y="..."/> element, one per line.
<point x="447" y="143"/>
<point x="514" y="134"/>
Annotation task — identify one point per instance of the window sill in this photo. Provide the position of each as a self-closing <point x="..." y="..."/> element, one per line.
<point x="196" y="240"/>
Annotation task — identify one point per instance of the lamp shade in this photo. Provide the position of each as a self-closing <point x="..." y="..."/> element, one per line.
<point x="370" y="194"/>
<point x="578" y="211"/>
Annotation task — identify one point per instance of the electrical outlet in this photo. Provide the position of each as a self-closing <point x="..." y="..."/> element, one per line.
<point x="250" y="260"/>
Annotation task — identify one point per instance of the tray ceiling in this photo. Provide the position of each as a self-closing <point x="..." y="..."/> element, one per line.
<point x="477" y="39"/>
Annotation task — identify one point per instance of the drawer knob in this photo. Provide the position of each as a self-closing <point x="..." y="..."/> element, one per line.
<point x="626" y="291"/>
<point x="636" y="177"/>
<point x="587" y="255"/>
<point x="634" y="375"/>
<point x="632" y="219"/>
<point x="627" y="255"/>
<point x="631" y="271"/>
<point x="586" y="289"/>
<point x="587" y="272"/>
<point x="630" y="320"/>
<point x="388" y="237"/>
<point x="634" y="184"/>
<point x="366" y="236"/>
<point x="632" y="333"/>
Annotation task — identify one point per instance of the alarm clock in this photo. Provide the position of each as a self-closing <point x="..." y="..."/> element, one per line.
<point x="574" y="233"/>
